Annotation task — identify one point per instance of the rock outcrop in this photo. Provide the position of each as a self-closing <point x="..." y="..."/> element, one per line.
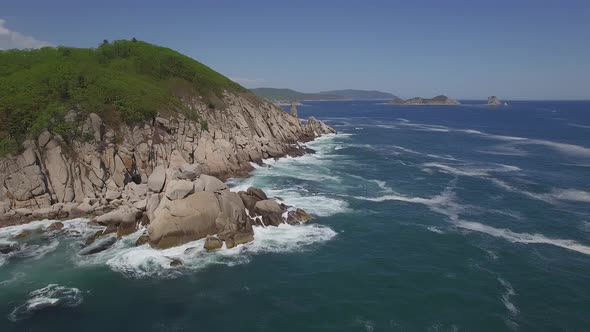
<point x="438" y="100"/>
<point x="140" y="165"/>
<point x="494" y="101"/>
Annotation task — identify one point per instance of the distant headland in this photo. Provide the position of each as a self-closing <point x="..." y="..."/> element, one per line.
<point x="438" y="100"/>
<point x="287" y="96"/>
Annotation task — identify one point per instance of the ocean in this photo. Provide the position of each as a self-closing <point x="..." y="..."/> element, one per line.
<point x="427" y="218"/>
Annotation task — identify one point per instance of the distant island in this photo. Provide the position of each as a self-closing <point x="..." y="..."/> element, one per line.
<point x="438" y="100"/>
<point x="495" y="101"/>
<point x="286" y="96"/>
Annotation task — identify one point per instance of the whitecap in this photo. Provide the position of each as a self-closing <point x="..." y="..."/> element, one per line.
<point x="49" y="296"/>
<point x="144" y="261"/>
<point x="472" y="170"/>
<point x="509" y="292"/>
<point x="444" y="204"/>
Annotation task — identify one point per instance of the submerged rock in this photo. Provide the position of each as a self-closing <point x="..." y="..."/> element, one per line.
<point x="98" y="246"/>
<point x="8" y="247"/>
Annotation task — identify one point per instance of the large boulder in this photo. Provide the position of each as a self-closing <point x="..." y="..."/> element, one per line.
<point x="298" y="216"/>
<point x="179" y="189"/>
<point x="249" y="202"/>
<point x="124" y="219"/>
<point x="270" y="211"/>
<point x="212" y="243"/>
<point x="184" y="220"/>
<point x="209" y="183"/>
<point x="257" y="192"/>
<point x="157" y="179"/>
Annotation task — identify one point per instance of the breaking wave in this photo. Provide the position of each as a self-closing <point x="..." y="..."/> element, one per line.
<point x="144" y="261"/>
<point x="52" y="295"/>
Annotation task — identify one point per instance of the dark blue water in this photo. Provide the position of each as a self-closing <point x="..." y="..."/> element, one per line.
<point x="434" y="218"/>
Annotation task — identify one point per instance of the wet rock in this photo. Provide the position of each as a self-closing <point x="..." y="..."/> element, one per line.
<point x="142" y="240"/>
<point x="8" y="247"/>
<point x="212" y="243"/>
<point x="56" y="226"/>
<point x="98" y="246"/>
<point x="271" y="212"/>
<point x="299" y="216"/>
<point x="175" y="262"/>
<point x="243" y="237"/>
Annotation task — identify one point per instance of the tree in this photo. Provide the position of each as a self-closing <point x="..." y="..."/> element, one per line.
<point x="134" y="40"/>
<point x="105" y="42"/>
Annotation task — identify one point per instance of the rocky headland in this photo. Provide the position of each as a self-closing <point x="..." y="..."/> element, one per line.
<point x="438" y="100"/>
<point x="162" y="173"/>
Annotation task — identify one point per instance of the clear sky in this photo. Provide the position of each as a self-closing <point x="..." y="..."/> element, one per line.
<point x="464" y="49"/>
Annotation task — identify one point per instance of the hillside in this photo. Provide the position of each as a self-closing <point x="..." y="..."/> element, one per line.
<point x="84" y="129"/>
<point x="292" y="95"/>
<point x="122" y="81"/>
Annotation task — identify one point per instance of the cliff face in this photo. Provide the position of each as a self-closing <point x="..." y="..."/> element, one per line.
<point x="55" y="179"/>
<point x="438" y="100"/>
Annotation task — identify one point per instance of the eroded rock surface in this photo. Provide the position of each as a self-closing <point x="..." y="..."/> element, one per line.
<point x="132" y="165"/>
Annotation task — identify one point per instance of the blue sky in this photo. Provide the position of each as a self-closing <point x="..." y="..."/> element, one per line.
<point x="464" y="49"/>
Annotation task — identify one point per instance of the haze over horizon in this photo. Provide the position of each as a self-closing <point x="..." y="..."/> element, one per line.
<point x="524" y="50"/>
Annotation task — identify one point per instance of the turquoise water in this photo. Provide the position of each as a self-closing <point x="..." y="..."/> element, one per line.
<point x="462" y="218"/>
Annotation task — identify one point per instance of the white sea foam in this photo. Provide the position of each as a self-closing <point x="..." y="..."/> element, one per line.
<point x="472" y="170"/>
<point x="563" y="148"/>
<point x="578" y="125"/>
<point x="445" y="204"/>
<point x="144" y="261"/>
<point x="50" y="296"/>
<point x="15" y="278"/>
<point x="431" y="155"/>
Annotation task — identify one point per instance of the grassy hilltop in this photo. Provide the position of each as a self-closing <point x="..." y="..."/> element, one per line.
<point x="124" y="81"/>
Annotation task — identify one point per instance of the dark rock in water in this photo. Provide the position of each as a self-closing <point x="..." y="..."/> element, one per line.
<point x="6" y="248"/>
<point x="229" y="242"/>
<point x="142" y="240"/>
<point x="298" y="216"/>
<point x="212" y="243"/>
<point x="243" y="237"/>
<point x="56" y="226"/>
<point x="257" y="192"/>
<point x="175" y="262"/>
<point x="99" y="246"/>
<point x="271" y="212"/>
<point x="191" y="251"/>
<point x="90" y="240"/>
<point x="249" y="202"/>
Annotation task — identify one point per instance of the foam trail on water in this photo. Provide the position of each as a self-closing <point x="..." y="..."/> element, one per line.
<point x="49" y="296"/>
<point x="445" y="205"/>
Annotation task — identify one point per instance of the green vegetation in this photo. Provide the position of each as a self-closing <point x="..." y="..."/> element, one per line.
<point x="122" y="81"/>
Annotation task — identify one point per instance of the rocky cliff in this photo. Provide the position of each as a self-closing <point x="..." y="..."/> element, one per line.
<point x="438" y="100"/>
<point x="108" y="167"/>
